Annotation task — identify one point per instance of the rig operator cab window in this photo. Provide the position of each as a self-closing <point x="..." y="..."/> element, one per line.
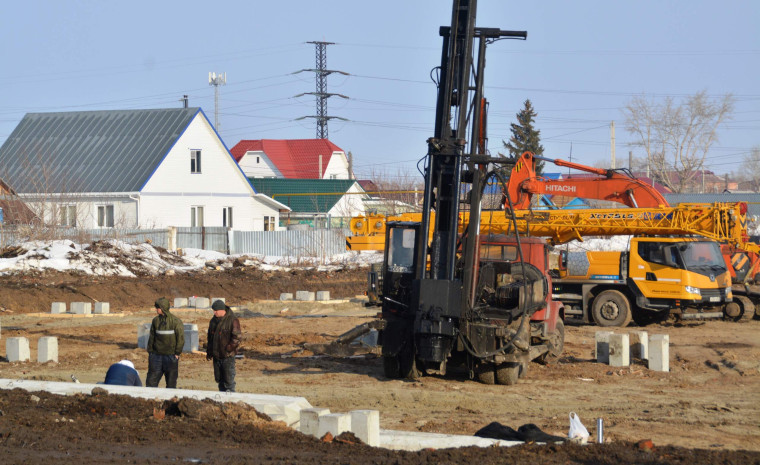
<point x="401" y="250"/>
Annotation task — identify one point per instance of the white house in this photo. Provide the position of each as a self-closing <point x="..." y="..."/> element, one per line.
<point x="131" y="168"/>
<point x="292" y="159"/>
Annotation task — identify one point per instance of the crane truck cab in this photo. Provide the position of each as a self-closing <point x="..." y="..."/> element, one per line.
<point x="514" y="320"/>
<point x="657" y="276"/>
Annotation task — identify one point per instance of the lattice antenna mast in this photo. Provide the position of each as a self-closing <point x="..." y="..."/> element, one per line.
<point x="217" y="80"/>
<point x="321" y="72"/>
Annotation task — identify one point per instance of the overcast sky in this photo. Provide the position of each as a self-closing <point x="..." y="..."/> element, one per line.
<point x="582" y="62"/>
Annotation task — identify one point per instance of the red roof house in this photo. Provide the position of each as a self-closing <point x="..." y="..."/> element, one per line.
<point x="292" y="159"/>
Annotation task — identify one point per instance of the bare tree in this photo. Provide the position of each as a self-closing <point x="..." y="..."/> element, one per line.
<point x="397" y="193"/>
<point x="677" y="137"/>
<point x="749" y="172"/>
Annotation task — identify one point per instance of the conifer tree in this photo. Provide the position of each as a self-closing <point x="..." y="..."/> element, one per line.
<point x="525" y="138"/>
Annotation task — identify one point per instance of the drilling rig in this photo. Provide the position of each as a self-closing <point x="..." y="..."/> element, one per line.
<point x="451" y="297"/>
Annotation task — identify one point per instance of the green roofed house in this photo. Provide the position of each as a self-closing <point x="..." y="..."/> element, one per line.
<point x="318" y="203"/>
<point x="131" y="168"/>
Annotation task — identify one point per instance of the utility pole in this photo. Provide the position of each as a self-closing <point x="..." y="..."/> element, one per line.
<point x="217" y="80"/>
<point x="321" y="72"/>
<point x="612" y="135"/>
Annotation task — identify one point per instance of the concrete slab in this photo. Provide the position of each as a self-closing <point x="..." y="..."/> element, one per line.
<point x="414" y="441"/>
<point x="365" y="424"/>
<point x="334" y="423"/>
<point x="143" y="334"/>
<point x="286" y="296"/>
<point x="305" y="296"/>
<point x="58" y="307"/>
<point x="289" y="407"/>
<point x="223" y="299"/>
<point x="17" y="349"/>
<point x="310" y="420"/>
<point x="603" y="346"/>
<point x="619" y="350"/>
<point x="47" y="349"/>
<point x="201" y="302"/>
<point x="102" y="308"/>
<point x="81" y="308"/>
<point x="180" y="302"/>
<point x="191" y="337"/>
<point x="323" y="295"/>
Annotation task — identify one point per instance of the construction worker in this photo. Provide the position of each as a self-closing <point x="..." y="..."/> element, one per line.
<point x="123" y="373"/>
<point x="223" y="341"/>
<point x="167" y="337"/>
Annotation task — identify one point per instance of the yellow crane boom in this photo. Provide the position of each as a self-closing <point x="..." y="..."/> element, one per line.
<point x="722" y="222"/>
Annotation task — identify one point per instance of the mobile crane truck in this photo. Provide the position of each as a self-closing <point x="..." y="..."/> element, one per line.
<point x="454" y="297"/>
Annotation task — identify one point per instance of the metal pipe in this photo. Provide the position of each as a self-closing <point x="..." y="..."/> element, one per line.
<point x="599" y="431"/>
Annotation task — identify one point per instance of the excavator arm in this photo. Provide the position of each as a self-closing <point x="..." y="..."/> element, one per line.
<point x="612" y="185"/>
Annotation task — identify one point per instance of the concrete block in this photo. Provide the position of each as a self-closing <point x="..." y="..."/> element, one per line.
<point x="102" y="308"/>
<point x="365" y="424"/>
<point x="47" y="349"/>
<point x="309" y="420"/>
<point x="223" y="299"/>
<point x="659" y="352"/>
<point x="286" y="296"/>
<point x="201" y="302"/>
<point x="191" y="337"/>
<point x="323" y="295"/>
<point x="17" y="349"/>
<point x="81" y="308"/>
<point x="143" y="334"/>
<point x="640" y="345"/>
<point x="58" y="307"/>
<point x="603" y="346"/>
<point x="305" y="296"/>
<point x="334" y="423"/>
<point x="619" y="350"/>
<point x="180" y="302"/>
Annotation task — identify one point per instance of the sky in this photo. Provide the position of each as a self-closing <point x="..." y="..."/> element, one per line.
<point x="582" y="62"/>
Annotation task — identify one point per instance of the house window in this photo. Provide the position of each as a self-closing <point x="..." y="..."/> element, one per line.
<point x="195" y="161"/>
<point x="257" y="159"/>
<point x="105" y="216"/>
<point x="69" y="215"/>
<point x="269" y="223"/>
<point x="196" y="217"/>
<point x="333" y="176"/>
<point x="227" y="217"/>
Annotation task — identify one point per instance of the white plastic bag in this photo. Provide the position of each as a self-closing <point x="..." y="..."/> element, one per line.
<point x="577" y="432"/>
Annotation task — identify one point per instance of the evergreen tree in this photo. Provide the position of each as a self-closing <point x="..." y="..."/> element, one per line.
<point x="525" y="138"/>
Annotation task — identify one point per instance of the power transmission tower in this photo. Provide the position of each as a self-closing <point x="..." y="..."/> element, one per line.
<point x="217" y="80"/>
<point x="321" y="72"/>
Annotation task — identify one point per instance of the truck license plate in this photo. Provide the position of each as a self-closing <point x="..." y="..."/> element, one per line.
<point x="714" y="299"/>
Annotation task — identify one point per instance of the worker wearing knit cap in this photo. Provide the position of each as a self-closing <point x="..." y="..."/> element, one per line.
<point x="223" y="341"/>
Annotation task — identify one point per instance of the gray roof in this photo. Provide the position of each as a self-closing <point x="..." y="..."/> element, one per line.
<point x="752" y="200"/>
<point x="90" y="151"/>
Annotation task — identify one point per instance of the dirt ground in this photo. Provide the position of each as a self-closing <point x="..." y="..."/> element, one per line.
<point x="706" y="410"/>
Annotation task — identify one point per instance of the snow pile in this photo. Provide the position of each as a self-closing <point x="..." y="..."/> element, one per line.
<point x="116" y="258"/>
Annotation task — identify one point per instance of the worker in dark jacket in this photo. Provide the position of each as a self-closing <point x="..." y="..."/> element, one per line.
<point x="123" y="373"/>
<point x="223" y="341"/>
<point x="167" y="337"/>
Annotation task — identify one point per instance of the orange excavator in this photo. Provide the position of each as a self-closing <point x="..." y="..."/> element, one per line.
<point x="618" y="186"/>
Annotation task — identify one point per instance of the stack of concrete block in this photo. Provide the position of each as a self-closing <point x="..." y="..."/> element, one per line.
<point x="81" y="308"/>
<point x="17" y="349"/>
<point x="58" y="307"/>
<point x="47" y="349"/>
<point x="102" y="308"/>
<point x="615" y="349"/>
<point x="364" y="424"/>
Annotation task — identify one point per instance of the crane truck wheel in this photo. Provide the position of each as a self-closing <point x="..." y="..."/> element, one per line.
<point x="407" y="363"/>
<point x="507" y="373"/>
<point x="748" y="308"/>
<point x="611" y="308"/>
<point x="556" y="345"/>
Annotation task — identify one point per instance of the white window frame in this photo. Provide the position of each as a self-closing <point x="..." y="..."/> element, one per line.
<point x="196" y="216"/>
<point x="68" y="215"/>
<point x="195" y="161"/>
<point x="227" y="217"/>
<point x="269" y="223"/>
<point x="103" y="218"/>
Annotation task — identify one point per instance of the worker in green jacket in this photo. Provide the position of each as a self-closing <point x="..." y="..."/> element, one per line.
<point x="167" y="337"/>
